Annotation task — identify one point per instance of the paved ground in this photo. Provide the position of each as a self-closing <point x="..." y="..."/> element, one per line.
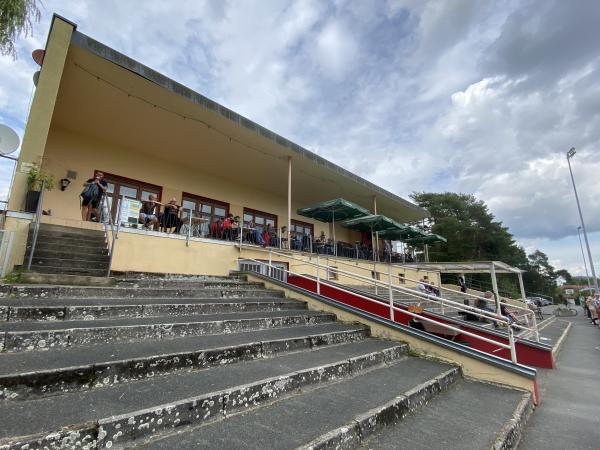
<point x="569" y="416"/>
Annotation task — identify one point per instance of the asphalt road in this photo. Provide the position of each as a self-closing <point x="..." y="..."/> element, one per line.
<point x="569" y="415"/>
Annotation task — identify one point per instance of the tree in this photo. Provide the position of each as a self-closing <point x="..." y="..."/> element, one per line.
<point x="16" y="18"/>
<point x="472" y="232"/>
<point x="565" y="275"/>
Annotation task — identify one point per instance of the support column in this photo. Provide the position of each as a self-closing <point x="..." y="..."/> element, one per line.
<point x="376" y="243"/>
<point x="522" y="287"/>
<point x="495" y="287"/>
<point x="42" y="108"/>
<point x="289" y="203"/>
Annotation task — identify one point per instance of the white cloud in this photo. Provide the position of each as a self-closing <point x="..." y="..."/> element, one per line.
<point x="476" y="97"/>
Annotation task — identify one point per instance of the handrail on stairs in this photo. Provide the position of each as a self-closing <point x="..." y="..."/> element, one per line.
<point x="393" y="308"/>
<point x="394" y="288"/>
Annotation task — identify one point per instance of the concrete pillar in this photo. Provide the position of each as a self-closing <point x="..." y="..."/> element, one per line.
<point x="289" y="203"/>
<point x="495" y="287"/>
<point x="376" y="242"/>
<point x="42" y="108"/>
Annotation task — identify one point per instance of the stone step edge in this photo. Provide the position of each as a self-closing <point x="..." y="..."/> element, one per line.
<point x="65" y="313"/>
<point x="22" y="341"/>
<point x="136" y="425"/>
<point x="30" y="385"/>
<point x="512" y="430"/>
<point x="353" y="433"/>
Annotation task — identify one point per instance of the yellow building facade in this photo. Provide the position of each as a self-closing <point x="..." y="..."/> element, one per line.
<point x="95" y="109"/>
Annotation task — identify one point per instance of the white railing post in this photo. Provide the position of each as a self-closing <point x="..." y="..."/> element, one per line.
<point x="511" y="341"/>
<point x="270" y="271"/>
<point x="318" y="275"/>
<point x="119" y="203"/>
<point x="189" y="230"/>
<point x="495" y="287"/>
<point x="241" y="232"/>
<point x="524" y="298"/>
<point x="391" y="294"/>
<point x="36" y="226"/>
<point x="375" y="276"/>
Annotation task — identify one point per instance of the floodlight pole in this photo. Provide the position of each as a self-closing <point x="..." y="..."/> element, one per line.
<point x="587" y="275"/>
<point x="570" y="154"/>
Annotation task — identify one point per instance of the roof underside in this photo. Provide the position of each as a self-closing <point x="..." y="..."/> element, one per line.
<point x="99" y="84"/>
<point x="466" y="267"/>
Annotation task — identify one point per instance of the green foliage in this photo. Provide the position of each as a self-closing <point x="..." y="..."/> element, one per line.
<point x="16" y="17"/>
<point x="472" y="232"/>
<point x="13" y="277"/>
<point x="474" y="235"/>
<point x="35" y="177"/>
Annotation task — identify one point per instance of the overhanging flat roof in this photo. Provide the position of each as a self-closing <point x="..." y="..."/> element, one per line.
<point x="359" y="189"/>
<point x="466" y="267"/>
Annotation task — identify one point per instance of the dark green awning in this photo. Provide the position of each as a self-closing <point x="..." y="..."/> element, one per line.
<point x="426" y="239"/>
<point x="404" y="234"/>
<point x="373" y="223"/>
<point x="334" y="210"/>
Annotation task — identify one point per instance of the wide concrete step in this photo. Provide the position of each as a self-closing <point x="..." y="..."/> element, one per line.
<point x="185" y="283"/>
<point x="122" y="413"/>
<point x="124" y="276"/>
<point x="52" y="228"/>
<point x="58" y="310"/>
<point x="73" y="262"/>
<point x="28" y="336"/>
<point x="53" y="291"/>
<point x="69" y="238"/>
<point x="87" y="272"/>
<point x="354" y="406"/>
<point x="88" y="248"/>
<point x="35" y="374"/>
<point x="470" y="416"/>
<point x="59" y="253"/>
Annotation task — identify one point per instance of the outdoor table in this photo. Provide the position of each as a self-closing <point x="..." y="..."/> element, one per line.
<point x="197" y="223"/>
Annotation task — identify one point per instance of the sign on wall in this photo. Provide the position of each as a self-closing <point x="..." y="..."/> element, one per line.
<point x="130" y="211"/>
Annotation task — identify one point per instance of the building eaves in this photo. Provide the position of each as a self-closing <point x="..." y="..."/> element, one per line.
<point x="103" y="51"/>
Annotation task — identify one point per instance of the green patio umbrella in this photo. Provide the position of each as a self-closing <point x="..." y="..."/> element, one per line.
<point x="373" y="223"/>
<point x="425" y="240"/>
<point x="331" y="210"/>
<point x="402" y="234"/>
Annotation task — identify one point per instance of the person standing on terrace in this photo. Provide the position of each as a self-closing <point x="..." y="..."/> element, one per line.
<point x="91" y="196"/>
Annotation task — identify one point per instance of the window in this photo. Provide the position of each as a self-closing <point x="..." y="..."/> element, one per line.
<point x="401" y="278"/>
<point x="302" y="228"/>
<point x="120" y="186"/>
<point x="375" y="275"/>
<point x="204" y="207"/>
<point x="259" y="218"/>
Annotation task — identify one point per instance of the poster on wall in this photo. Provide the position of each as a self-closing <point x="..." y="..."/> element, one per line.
<point x="130" y="211"/>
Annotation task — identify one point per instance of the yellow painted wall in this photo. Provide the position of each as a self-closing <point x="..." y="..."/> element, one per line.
<point x="66" y="150"/>
<point x="42" y="108"/>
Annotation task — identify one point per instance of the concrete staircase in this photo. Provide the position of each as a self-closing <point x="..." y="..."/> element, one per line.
<point x="220" y="362"/>
<point x="69" y="251"/>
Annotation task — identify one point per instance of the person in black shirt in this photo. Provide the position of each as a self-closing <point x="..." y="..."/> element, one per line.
<point x="149" y="212"/>
<point x="93" y="190"/>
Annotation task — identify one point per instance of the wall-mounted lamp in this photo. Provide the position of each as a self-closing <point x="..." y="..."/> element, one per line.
<point x="64" y="183"/>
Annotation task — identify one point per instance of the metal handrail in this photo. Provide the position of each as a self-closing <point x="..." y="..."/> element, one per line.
<point x="393" y="308"/>
<point x="467" y="308"/>
<point x="528" y="311"/>
<point x="473" y="310"/>
<point x="111" y="244"/>
<point x="36" y="226"/>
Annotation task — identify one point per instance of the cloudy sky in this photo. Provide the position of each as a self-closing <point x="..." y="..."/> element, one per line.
<point x="482" y="97"/>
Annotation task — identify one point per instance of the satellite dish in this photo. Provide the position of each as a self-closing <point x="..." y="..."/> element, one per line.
<point x="38" y="56"/>
<point x="9" y="140"/>
<point x="36" y="77"/>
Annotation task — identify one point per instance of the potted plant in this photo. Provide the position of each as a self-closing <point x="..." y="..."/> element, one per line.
<point x="34" y="185"/>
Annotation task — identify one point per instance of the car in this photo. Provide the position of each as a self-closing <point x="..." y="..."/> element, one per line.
<point x="538" y="301"/>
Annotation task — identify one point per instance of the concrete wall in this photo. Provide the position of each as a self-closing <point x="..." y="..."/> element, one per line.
<point x="67" y="150"/>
